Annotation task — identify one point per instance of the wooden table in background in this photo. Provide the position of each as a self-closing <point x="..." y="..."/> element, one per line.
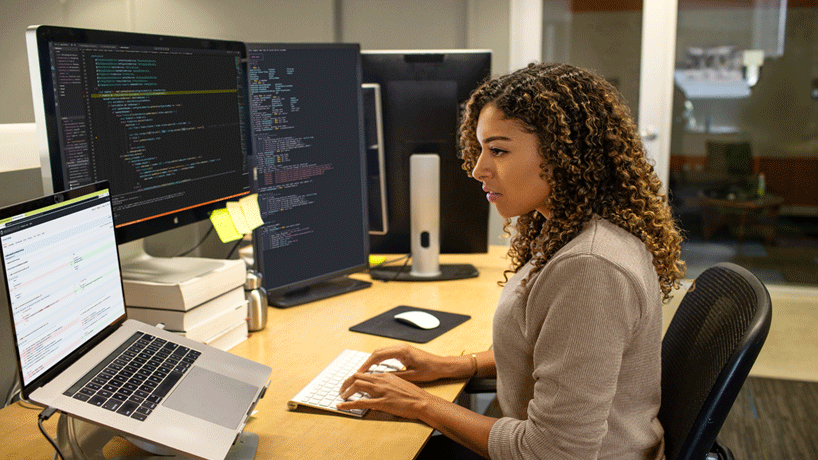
<point x="716" y="210"/>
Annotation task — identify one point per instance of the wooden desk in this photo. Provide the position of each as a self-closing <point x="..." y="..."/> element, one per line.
<point x="299" y="342"/>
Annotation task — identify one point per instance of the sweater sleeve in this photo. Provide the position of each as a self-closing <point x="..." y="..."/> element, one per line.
<point x="580" y="315"/>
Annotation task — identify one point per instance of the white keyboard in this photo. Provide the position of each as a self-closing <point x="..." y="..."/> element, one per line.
<point x="322" y="391"/>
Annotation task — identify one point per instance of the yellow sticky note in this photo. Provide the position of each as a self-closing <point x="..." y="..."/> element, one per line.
<point x="224" y="225"/>
<point x="374" y="261"/>
<point x="236" y="213"/>
<point x="252" y="214"/>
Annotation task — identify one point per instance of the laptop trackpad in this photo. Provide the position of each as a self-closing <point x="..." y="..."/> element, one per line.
<point x="213" y="397"/>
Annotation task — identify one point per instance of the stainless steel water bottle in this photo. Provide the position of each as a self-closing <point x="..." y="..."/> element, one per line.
<point x="256" y="302"/>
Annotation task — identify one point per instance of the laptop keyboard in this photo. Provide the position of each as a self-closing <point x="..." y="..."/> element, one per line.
<point x="135" y="378"/>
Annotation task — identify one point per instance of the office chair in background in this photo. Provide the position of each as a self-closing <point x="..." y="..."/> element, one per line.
<point x="707" y="352"/>
<point x="730" y="159"/>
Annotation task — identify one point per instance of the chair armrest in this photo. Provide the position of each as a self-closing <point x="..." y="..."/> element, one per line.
<point x="481" y="385"/>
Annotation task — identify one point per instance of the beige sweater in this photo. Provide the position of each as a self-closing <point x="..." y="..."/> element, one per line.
<point x="578" y="354"/>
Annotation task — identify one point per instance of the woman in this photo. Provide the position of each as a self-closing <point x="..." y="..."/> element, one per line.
<point x="577" y="332"/>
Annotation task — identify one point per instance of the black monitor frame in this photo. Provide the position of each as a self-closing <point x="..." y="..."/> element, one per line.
<point x="39" y="39"/>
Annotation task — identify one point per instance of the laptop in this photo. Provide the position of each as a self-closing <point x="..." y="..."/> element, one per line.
<point x="77" y="351"/>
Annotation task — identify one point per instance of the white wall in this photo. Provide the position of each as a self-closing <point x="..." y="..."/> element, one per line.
<point x="404" y="24"/>
<point x="18" y="144"/>
<point x="375" y="24"/>
<point x="245" y="20"/>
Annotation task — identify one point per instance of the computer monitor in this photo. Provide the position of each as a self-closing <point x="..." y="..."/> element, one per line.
<point x="423" y="93"/>
<point x="162" y="118"/>
<point x="375" y="162"/>
<point x="309" y="169"/>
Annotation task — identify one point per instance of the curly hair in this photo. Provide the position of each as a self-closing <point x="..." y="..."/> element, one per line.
<point x="594" y="162"/>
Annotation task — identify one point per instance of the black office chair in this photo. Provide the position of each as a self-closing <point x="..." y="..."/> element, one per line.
<point x="707" y="352"/>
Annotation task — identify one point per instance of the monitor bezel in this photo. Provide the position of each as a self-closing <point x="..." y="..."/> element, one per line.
<point x="39" y="38"/>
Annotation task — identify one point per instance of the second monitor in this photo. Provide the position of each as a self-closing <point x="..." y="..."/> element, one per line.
<point x="308" y="169"/>
<point x="423" y="93"/>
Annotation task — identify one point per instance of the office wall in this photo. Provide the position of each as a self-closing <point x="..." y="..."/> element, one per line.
<point x="375" y="24"/>
<point x="250" y="20"/>
<point x="609" y="42"/>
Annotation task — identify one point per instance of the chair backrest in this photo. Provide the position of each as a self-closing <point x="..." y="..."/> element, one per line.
<point x="707" y="352"/>
<point x="729" y="158"/>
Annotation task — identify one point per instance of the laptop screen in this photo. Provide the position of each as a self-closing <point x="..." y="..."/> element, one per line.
<point x="62" y="273"/>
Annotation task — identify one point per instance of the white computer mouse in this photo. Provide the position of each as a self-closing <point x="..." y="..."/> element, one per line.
<point x="419" y="319"/>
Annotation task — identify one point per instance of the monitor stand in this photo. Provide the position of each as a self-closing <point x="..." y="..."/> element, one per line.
<point x="317" y="291"/>
<point x="424" y="206"/>
<point x="138" y="265"/>
<point x="81" y="440"/>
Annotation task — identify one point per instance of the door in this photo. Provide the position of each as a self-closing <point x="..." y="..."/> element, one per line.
<point x="629" y="42"/>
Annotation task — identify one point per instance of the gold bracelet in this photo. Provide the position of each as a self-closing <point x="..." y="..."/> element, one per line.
<point x="474" y="358"/>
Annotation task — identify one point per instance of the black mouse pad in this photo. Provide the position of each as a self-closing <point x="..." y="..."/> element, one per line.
<point x="385" y="325"/>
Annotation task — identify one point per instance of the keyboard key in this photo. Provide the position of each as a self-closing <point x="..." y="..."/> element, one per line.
<point x="143" y="409"/>
<point x="128" y="407"/>
<point x="112" y="404"/>
<point x="163" y="388"/>
<point x="180" y="351"/>
<point x="149" y="405"/>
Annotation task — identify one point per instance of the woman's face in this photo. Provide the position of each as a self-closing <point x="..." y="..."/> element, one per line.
<point x="509" y="165"/>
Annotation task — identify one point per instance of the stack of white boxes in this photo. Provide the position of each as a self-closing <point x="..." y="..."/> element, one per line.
<point x="210" y="308"/>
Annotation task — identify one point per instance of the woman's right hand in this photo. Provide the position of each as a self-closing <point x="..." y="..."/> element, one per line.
<point x="420" y="366"/>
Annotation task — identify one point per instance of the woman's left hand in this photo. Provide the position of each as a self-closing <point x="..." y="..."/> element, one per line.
<point x="387" y="393"/>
